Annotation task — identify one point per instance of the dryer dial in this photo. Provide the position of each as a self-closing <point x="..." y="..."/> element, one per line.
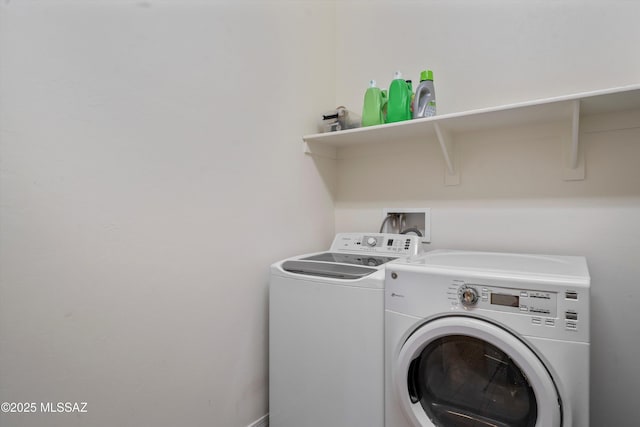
<point x="371" y="241"/>
<point x="468" y="296"/>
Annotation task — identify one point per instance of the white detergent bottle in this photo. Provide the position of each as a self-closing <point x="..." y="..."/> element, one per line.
<point x="424" y="104"/>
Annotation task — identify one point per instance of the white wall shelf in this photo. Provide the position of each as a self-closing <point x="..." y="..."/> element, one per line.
<point x="444" y="128"/>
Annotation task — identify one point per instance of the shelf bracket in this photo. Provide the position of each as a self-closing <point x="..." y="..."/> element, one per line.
<point x="451" y="172"/>
<point x="573" y="157"/>
<point x="316" y="150"/>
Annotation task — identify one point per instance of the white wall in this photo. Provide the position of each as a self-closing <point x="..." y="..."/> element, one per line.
<point x="150" y="163"/>
<point x="512" y="196"/>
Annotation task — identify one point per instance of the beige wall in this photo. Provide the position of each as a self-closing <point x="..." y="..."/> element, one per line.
<point x="486" y="53"/>
<point x="512" y="196"/>
<point x="145" y="145"/>
<point x="150" y="162"/>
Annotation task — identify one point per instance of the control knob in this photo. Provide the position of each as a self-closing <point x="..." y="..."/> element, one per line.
<point x="468" y="295"/>
<point x="371" y="241"/>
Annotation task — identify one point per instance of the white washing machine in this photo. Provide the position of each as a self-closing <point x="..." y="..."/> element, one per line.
<point x="326" y="333"/>
<point x="478" y="339"/>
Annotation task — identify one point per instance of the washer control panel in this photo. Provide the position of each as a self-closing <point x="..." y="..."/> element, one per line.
<point x="379" y="243"/>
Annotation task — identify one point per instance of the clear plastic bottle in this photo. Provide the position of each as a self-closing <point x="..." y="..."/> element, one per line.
<point x="424" y="103"/>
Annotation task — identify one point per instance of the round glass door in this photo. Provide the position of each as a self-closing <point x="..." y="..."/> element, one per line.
<point x="465" y="372"/>
<point x="464" y="381"/>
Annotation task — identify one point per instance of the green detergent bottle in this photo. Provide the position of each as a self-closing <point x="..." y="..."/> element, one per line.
<point x="374" y="103"/>
<point x="411" y="95"/>
<point x="399" y="103"/>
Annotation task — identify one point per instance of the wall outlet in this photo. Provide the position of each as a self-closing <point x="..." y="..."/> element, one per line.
<point x="403" y="219"/>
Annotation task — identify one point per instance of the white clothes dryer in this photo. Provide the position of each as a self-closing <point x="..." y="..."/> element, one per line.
<point x="326" y="332"/>
<point x="478" y="339"/>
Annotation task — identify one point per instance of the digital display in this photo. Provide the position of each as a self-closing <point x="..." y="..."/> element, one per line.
<point x="506" y="300"/>
<point x="389" y="242"/>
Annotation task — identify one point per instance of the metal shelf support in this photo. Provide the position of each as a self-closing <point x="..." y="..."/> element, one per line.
<point x="451" y="173"/>
<point x="573" y="156"/>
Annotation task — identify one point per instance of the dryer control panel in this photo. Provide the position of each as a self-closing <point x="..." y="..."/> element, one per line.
<point x="525" y="301"/>
<point x="378" y="243"/>
<point x="542" y="307"/>
<point x="536" y="295"/>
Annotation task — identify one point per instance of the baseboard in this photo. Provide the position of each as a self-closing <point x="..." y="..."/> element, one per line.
<point x="261" y="422"/>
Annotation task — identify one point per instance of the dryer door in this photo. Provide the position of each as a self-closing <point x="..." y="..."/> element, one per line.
<point x="461" y="371"/>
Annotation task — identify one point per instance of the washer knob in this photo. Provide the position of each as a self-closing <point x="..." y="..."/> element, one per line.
<point x="468" y="296"/>
<point x="371" y="241"/>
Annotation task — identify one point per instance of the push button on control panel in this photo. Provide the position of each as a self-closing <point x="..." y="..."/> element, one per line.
<point x="539" y="310"/>
<point x="571" y="320"/>
<point x="571" y="295"/>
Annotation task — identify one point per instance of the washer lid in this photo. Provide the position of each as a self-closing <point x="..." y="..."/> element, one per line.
<point x="526" y="265"/>
<point x="327" y="269"/>
<point x="356" y="259"/>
